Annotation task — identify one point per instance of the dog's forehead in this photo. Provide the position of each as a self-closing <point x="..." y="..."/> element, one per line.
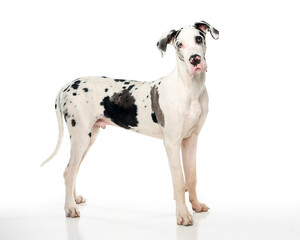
<point x="187" y="32"/>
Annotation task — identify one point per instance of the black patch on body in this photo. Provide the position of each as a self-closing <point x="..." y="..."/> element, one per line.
<point x="121" y="109"/>
<point x="66" y="115"/>
<point x="74" y="94"/>
<point x="85" y="89"/>
<point x="90" y="134"/>
<point x="55" y="106"/>
<point x="130" y="87"/>
<point x="156" y="110"/>
<point x="67" y="88"/>
<point x="126" y="82"/>
<point x="106" y="89"/>
<point x="75" y="85"/>
<point x="73" y="122"/>
<point x="103" y="76"/>
<point x="154" y="119"/>
<point x="119" y="80"/>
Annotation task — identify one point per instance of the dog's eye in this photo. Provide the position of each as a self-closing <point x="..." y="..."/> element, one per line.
<point x="180" y="45"/>
<point x="199" y="39"/>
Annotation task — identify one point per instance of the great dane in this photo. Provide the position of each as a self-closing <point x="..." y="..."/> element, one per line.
<point x="172" y="108"/>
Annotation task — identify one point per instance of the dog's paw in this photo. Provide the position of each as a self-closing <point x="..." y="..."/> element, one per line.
<point x="199" y="207"/>
<point x="72" y="211"/>
<point x="184" y="217"/>
<point x="79" y="199"/>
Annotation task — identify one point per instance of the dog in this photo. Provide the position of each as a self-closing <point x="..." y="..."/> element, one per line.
<point x="172" y="108"/>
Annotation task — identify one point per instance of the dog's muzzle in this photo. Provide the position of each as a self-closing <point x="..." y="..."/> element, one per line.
<point x="197" y="64"/>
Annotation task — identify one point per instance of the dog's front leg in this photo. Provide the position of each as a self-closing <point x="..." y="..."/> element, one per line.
<point x="188" y="149"/>
<point x="173" y="152"/>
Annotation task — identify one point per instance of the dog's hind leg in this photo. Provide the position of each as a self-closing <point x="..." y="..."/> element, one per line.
<point x="93" y="135"/>
<point x="80" y="143"/>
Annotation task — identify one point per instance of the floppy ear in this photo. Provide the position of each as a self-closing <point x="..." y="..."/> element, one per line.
<point x="204" y="26"/>
<point x="164" y="40"/>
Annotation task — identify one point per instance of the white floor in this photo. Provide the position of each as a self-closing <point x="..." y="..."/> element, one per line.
<point x="110" y="221"/>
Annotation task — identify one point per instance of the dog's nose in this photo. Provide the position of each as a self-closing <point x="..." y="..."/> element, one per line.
<point x="195" y="60"/>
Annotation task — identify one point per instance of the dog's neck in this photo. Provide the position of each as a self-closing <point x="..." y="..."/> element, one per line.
<point x="194" y="84"/>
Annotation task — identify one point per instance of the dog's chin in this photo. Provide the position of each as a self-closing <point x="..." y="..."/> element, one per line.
<point x="197" y="70"/>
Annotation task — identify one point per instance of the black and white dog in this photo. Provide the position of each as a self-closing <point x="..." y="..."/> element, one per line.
<point x="172" y="108"/>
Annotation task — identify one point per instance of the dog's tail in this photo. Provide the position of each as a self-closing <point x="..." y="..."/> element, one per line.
<point x="60" y="128"/>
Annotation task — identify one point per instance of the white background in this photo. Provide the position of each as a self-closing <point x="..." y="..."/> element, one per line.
<point x="248" y="151"/>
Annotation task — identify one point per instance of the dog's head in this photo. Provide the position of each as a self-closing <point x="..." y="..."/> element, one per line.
<point x="190" y="45"/>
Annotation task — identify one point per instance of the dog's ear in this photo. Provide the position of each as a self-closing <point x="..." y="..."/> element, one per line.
<point x="164" y="40"/>
<point x="204" y="26"/>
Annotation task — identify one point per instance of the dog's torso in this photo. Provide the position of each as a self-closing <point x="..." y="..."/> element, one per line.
<point x="149" y="108"/>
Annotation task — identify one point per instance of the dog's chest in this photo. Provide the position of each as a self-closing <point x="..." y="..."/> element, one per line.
<point x="191" y="115"/>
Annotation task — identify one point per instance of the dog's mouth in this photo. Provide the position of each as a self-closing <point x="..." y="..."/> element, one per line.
<point x="199" y="68"/>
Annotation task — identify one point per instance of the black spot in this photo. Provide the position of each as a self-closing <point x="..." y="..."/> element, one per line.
<point x="66" y="88"/>
<point x="154" y="119"/>
<point x="121" y="109"/>
<point x="177" y="33"/>
<point x="55" y="106"/>
<point x="103" y="76"/>
<point x="119" y="80"/>
<point x="85" y="89"/>
<point x="66" y="115"/>
<point x="126" y="82"/>
<point x="147" y="96"/>
<point x="130" y="87"/>
<point x="75" y="85"/>
<point x="106" y="89"/>
<point x="159" y="83"/>
<point x="74" y="94"/>
<point x="73" y="122"/>
<point x="202" y="34"/>
<point x="90" y="134"/>
<point x="135" y="89"/>
<point x="65" y="104"/>
<point x="123" y="87"/>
